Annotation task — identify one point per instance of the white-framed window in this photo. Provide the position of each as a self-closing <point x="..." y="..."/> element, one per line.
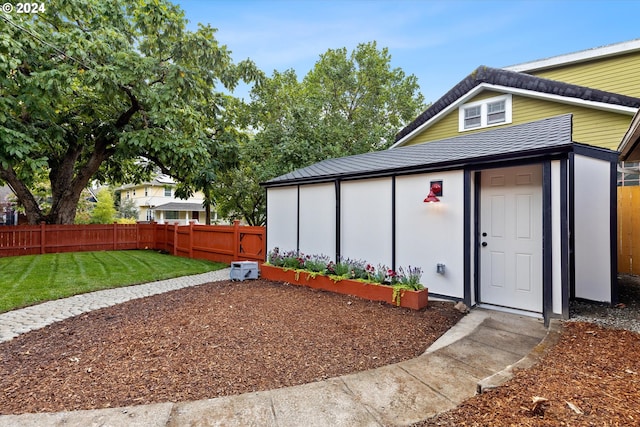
<point x="472" y="117"/>
<point x="167" y="191"/>
<point x="628" y="174"/>
<point x="487" y="112"/>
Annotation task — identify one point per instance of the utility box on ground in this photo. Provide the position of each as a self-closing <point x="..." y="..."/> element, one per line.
<point x="243" y="270"/>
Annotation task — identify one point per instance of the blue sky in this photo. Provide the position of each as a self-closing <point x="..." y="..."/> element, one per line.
<point x="438" y="41"/>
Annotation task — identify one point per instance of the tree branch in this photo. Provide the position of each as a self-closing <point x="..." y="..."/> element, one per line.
<point x="135" y="107"/>
<point x="32" y="209"/>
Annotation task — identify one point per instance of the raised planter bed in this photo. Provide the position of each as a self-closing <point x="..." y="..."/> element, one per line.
<point x="415" y="300"/>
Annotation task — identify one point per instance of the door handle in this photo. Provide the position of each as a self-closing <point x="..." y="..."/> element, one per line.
<point x="484" y="244"/>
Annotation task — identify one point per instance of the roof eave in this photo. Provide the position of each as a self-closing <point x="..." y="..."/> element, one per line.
<point x="629" y="147"/>
<point x="577" y="57"/>
<point x="442" y="166"/>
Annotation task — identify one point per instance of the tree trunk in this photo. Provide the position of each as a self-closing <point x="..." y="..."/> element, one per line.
<point x="207" y="204"/>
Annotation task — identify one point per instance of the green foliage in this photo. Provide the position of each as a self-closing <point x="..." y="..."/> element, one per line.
<point x="127" y="209"/>
<point x="84" y="208"/>
<point x="348" y="104"/>
<point x="89" y="87"/>
<point x="30" y="279"/>
<point x="104" y="212"/>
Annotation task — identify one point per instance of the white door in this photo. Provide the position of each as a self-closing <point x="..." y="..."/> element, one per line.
<point x="511" y="237"/>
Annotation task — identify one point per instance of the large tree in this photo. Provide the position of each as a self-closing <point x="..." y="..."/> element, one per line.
<point x="107" y="90"/>
<point x="349" y="103"/>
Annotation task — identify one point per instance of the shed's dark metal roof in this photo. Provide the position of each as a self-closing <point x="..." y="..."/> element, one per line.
<point x="502" y="143"/>
<point x="512" y="79"/>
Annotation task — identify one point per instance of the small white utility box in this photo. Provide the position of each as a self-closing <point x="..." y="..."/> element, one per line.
<point x="243" y="270"/>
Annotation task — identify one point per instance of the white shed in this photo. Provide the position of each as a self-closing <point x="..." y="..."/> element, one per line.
<point x="526" y="217"/>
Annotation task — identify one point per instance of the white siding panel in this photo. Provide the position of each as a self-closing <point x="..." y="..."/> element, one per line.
<point x="432" y="233"/>
<point x="366" y="220"/>
<point x="556" y="239"/>
<point x="592" y="239"/>
<point x="282" y="214"/>
<point x="318" y="219"/>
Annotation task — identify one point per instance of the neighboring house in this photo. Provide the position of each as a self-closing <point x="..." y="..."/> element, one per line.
<point x="8" y="212"/>
<point x="524" y="156"/>
<point x="156" y="201"/>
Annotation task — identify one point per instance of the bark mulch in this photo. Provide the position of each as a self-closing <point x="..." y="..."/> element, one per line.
<point x="591" y="377"/>
<point x="212" y="340"/>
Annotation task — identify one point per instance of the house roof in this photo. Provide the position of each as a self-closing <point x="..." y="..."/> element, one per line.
<point x="630" y="145"/>
<point x="178" y="206"/>
<point x="577" y="57"/>
<point x="497" y="78"/>
<point x="160" y="180"/>
<point x="547" y="136"/>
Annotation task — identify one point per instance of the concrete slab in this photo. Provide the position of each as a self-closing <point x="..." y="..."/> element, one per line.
<point x="531" y="326"/>
<point x="463" y="328"/>
<point x="250" y="409"/>
<point x="551" y="337"/>
<point x="396" y="396"/>
<point x="155" y="415"/>
<point x="480" y="355"/>
<point x="512" y="342"/>
<point x="325" y="403"/>
<point x="451" y="378"/>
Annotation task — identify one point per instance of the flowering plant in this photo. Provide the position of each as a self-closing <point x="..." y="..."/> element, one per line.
<point x="410" y="278"/>
<point x="348" y="268"/>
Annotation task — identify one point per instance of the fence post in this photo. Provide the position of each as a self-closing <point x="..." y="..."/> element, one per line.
<point x="166" y="236"/>
<point x="42" y="236"/>
<point x="191" y="240"/>
<point x="175" y="239"/>
<point x="154" y="230"/>
<point x="115" y="235"/>
<point x="236" y="239"/>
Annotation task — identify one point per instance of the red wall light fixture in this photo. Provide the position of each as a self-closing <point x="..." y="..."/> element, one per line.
<point x="435" y="190"/>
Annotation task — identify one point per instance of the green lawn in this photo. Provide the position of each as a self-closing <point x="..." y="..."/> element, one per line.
<point x="26" y="280"/>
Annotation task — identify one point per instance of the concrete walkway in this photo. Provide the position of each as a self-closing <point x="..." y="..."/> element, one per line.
<point x="476" y="354"/>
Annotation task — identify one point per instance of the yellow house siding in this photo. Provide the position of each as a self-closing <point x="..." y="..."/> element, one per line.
<point x="590" y="126"/>
<point x="447" y="127"/>
<point x="614" y="74"/>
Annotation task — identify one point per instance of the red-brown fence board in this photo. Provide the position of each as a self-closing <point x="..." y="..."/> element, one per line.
<point x="221" y="243"/>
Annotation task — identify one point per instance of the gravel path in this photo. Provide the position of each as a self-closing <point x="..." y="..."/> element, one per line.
<point x="38" y="316"/>
<point x="625" y="315"/>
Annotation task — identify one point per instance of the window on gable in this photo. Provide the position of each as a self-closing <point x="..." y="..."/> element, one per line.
<point x="487" y="112"/>
<point x="495" y="112"/>
<point x="472" y="117"/>
<point x="167" y="191"/>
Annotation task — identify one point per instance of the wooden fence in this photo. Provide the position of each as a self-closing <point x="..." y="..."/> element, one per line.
<point x="629" y="230"/>
<point x="221" y="243"/>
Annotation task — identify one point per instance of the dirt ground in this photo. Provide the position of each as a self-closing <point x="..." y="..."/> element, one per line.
<point x="590" y="378"/>
<point x="208" y="341"/>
